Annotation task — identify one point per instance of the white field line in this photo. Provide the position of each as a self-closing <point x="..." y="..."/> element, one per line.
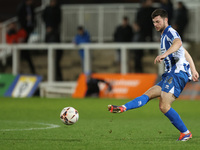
<point x="48" y="126"/>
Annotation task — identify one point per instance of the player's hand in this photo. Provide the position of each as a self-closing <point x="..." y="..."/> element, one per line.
<point x="195" y="76"/>
<point x="159" y="58"/>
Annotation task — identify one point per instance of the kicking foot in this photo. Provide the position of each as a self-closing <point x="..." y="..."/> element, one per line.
<point x="185" y="137"/>
<point x="116" y="109"/>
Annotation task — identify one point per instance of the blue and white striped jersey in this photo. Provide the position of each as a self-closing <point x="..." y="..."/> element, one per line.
<point x="175" y="62"/>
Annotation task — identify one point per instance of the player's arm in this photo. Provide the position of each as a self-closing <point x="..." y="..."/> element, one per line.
<point x="174" y="47"/>
<point x="195" y="74"/>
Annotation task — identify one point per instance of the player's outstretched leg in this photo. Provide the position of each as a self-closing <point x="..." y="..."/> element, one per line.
<point x="136" y="103"/>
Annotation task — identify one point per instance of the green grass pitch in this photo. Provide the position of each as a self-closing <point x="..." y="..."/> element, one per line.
<point x="34" y="124"/>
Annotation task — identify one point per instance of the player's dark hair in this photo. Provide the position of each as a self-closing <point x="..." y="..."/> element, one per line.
<point x="125" y="18"/>
<point x="159" y="12"/>
<point x="80" y="28"/>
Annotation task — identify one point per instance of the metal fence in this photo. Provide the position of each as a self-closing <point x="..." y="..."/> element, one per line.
<point x="15" y="49"/>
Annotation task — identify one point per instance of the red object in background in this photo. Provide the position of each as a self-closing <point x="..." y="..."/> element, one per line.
<point x="123" y="85"/>
<point x="18" y="37"/>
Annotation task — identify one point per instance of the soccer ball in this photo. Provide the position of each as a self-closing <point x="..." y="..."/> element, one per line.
<point x="69" y="115"/>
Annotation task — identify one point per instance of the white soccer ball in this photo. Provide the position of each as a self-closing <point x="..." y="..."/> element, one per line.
<point x="69" y="115"/>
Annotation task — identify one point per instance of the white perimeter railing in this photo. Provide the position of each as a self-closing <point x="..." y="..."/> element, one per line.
<point x="15" y="49"/>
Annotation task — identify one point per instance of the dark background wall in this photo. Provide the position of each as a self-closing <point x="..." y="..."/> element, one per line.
<point x="8" y="8"/>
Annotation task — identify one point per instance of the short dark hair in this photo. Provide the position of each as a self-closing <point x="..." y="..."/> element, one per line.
<point x="159" y="12"/>
<point x="125" y="18"/>
<point x="80" y="28"/>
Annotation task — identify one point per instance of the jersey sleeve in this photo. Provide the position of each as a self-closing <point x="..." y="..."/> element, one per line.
<point x="172" y="34"/>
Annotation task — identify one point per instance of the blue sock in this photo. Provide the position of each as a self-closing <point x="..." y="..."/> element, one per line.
<point x="137" y="102"/>
<point x="176" y="120"/>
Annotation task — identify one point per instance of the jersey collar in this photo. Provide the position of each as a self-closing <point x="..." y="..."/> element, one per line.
<point x="166" y="29"/>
